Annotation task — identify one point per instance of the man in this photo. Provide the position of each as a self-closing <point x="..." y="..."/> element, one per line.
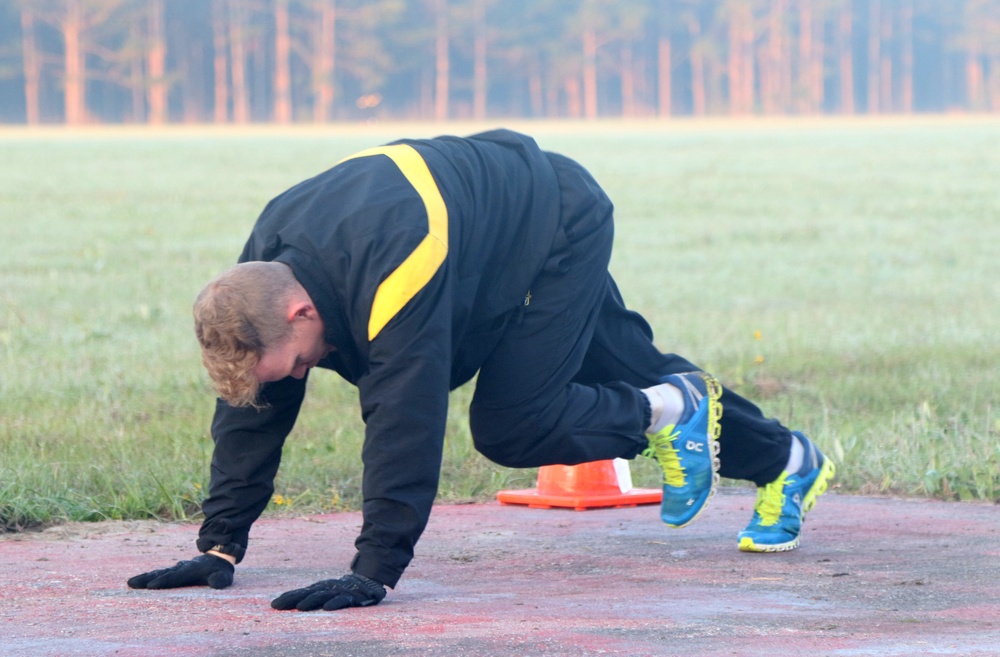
<point x="409" y="269"/>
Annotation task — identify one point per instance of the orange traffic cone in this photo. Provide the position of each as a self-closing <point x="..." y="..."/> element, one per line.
<point x="581" y="487"/>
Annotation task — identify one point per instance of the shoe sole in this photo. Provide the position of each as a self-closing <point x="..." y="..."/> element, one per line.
<point x="826" y="473"/>
<point x="747" y="545"/>
<point x="713" y="391"/>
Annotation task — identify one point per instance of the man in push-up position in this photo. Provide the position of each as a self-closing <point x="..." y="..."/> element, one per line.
<point x="409" y="269"/>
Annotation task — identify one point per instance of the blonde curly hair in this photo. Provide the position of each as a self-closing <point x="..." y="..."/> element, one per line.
<point x="238" y="315"/>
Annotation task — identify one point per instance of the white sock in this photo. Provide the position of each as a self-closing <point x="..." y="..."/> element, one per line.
<point x="667" y="404"/>
<point x="795" y="457"/>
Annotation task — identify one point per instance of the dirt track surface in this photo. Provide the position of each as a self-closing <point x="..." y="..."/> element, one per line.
<point x="874" y="576"/>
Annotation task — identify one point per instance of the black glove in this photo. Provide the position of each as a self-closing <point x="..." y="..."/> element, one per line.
<point x="207" y="569"/>
<point x="348" y="591"/>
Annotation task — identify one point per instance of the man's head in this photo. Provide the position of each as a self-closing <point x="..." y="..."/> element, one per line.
<point x="255" y="323"/>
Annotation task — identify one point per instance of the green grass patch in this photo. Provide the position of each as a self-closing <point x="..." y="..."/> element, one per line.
<point x="844" y="275"/>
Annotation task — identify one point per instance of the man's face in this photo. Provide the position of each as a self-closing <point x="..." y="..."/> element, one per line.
<point x="302" y="351"/>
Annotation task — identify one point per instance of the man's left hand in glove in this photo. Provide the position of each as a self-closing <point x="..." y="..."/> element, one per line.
<point x="348" y="591"/>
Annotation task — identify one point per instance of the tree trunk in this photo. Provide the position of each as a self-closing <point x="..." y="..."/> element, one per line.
<point x="817" y="88"/>
<point x="535" y="94"/>
<point x="806" y="70"/>
<point x="885" y="65"/>
<point x="282" y="73"/>
<point x="772" y="60"/>
<point x="479" y="80"/>
<point x="846" y="60"/>
<point x="156" y="56"/>
<point x="261" y="72"/>
<point x="749" y="78"/>
<point x="324" y="60"/>
<point x="906" y="58"/>
<point x="75" y="66"/>
<point x="715" y="75"/>
<point x="551" y="99"/>
<point x="237" y="63"/>
<point x="136" y="71"/>
<point x="994" y="85"/>
<point x="628" y="81"/>
<point x="874" y="56"/>
<point x="425" y="108"/>
<point x="590" y="73"/>
<point x="663" y="67"/>
<point x="442" y="61"/>
<point x="787" y="86"/>
<point x="574" y="104"/>
<point x="741" y="78"/>
<point x="974" y="82"/>
<point x="219" y="63"/>
<point x="32" y="70"/>
<point x="697" y="69"/>
<point x="190" y="69"/>
<point x="643" y="93"/>
<point x="735" y="65"/>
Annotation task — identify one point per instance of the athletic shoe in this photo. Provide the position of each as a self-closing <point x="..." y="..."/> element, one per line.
<point x="782" y="504"/>
<point x="688" y="451"/>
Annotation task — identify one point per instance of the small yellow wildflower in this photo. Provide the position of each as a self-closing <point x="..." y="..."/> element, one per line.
<point x="758" y="360"/>
<point x="757" y="335"/>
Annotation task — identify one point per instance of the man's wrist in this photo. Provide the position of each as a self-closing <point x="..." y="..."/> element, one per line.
<point x="216" y="548"/>
<point x="228" y="557"/>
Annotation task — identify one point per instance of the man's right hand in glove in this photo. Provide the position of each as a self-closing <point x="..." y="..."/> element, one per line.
<point x="351" y="590"/>
<point x="206" y="570"/>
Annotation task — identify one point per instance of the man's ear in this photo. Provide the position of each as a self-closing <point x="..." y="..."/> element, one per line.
<point x="301" y="309"/>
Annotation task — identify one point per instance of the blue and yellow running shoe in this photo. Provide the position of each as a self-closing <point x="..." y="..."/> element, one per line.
<point x="688" y="451"/>
<point x="782" y="504"/>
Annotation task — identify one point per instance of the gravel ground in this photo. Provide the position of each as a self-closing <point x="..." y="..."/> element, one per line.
<point x="874" y="576"/>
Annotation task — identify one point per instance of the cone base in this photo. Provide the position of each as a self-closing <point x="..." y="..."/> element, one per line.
<point x="533" y="499"/>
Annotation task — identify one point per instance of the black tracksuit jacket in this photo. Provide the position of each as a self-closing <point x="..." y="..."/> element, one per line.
<point x="416" y="255"/>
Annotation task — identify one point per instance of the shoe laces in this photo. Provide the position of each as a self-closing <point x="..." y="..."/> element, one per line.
<point x="661" y="447"/>
<point x="771" y="500"/>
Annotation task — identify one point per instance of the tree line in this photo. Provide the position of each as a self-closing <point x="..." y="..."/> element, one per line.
<point x="240" y="61"/>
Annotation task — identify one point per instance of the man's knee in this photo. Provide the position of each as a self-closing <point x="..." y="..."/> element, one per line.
<point x="508" y="437"/>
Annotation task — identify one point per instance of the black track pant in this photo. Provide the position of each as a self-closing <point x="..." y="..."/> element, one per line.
<point x="563" y="385"/>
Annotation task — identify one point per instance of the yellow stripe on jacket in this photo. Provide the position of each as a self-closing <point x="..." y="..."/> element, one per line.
<point x="420" y="266"/>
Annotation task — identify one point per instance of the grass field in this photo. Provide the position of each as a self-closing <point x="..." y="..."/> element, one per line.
<point x="845" y="275"/>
